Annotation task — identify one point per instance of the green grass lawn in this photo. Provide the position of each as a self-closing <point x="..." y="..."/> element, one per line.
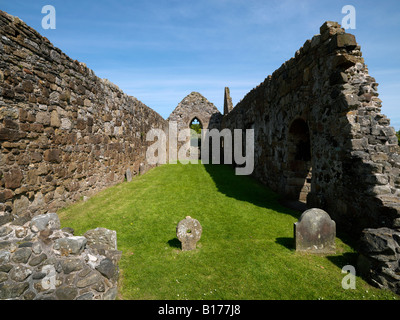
<point x="246" y="250"/>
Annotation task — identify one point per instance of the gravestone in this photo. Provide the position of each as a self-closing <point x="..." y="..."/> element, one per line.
<point x="188" y="232"/>
<point x="315" y="232"/>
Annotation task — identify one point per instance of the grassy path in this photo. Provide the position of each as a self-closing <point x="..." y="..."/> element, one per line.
<point x="245" y="252"/>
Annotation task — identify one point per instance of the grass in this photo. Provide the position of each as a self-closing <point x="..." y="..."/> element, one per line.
<point x="246" y="250"/>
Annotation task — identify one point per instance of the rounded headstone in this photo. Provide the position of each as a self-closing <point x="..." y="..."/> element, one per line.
<point x="315" y="232"/>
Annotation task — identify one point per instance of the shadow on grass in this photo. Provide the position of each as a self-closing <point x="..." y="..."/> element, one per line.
<point x="246" y="188"/>
<point x="286" y="242"/>
<point x="174" y="243"/>
<point x="347" y="258"/>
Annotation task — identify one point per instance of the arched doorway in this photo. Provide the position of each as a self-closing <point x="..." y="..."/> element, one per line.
<point x="299" y="170"/>
<point x="195" y="135"/>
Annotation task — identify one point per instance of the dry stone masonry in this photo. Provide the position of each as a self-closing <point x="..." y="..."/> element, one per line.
<point x="320" y="136"/>
<point x="64" y="135"/>
<point x="379" y="257"/>
<point x="64" y="132"/>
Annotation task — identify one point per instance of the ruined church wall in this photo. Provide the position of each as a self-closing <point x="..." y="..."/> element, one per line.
<point x="354" y="156"/>
<point x="64" y="132"/>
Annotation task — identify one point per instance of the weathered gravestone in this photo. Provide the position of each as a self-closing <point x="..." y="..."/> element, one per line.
<point x="188" y="232"/>
<point x="315" y="232"/>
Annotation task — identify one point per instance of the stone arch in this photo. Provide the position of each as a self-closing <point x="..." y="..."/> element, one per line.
<point x="198" y="118"/>
<point x="195" y="140"/>
<point x="298" y="164"/>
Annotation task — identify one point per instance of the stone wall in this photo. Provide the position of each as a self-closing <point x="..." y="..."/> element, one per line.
<point x="320" y="136"/>
<point x="64" y="132"/>
<point x="194" y="106"/>
<point x="379" y="257"/>
<point x="38" y="261"/>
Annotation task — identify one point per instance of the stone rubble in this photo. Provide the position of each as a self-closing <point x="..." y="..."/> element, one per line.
<point x="379" y="257"/>
<point x="40" y="261"/>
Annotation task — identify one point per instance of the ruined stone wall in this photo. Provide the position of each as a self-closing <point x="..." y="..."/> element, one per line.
<point x="64" y="132"/>
<point x="40" y="261"/>
<point x="194" y="105"/>
<point x="320" y="136"/>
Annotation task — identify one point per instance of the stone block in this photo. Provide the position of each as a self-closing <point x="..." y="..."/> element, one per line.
<point x="22" y="255"/>
<point x="52" y="155"/>
<point x="70" y="245"/>
<point x="345" y="40"/>
<point x="315" y="232"/>
<point x="5" y="217"/>
<point x="66" y="293"/>
<point x="27" y="86"/>
<point x="71" y="264"/>
<point x="55" y="119"/>
<point x="102" y="237"/>
<point x="106" y="268"/>
<point x="5" y="195"/>
<point x="43" y="117"/>
<point x="66" y="124"/>
<point x="45" y="221"/>
<point x="89" y="280"/>
<point x="19" y="273"/>
<point x="345" y="61"/>
<point x="328" y="25"/>
<point x="12" y="290"/>
<point x="13" y="178"/>
<point x="80" y="124"/>
<point x="20" y="205"/>
<point x="381" y="244"/>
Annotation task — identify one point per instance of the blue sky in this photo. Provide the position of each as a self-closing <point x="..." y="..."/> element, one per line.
<point x="160" y="51"/>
